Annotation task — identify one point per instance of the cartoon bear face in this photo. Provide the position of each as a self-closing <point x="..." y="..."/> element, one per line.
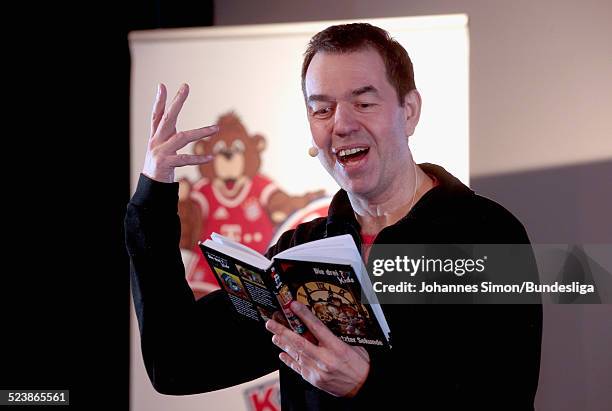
<point x="236" y="153"/>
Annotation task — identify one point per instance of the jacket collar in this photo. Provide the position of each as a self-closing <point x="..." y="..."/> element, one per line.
<point x="341" y="218"/>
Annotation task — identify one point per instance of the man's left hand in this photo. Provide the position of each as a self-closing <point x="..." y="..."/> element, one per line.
<point x="332" y="366"/>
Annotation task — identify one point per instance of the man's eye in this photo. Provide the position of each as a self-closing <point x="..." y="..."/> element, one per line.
<point x="322" y="112"/>
<point x="365" y="105"/>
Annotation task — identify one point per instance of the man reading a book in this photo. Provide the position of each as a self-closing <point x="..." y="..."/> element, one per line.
<point x="362" y="105"/>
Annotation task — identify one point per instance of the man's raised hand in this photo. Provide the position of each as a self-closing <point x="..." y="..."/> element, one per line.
<point x="164" y="141"/>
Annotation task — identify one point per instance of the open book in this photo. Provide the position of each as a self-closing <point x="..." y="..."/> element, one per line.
<point x="326" y="275"/>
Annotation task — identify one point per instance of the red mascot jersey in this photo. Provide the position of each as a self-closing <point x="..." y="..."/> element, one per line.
<point x="242" y="218"/>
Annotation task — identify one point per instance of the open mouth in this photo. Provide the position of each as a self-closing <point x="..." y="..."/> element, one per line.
<point x="351" y="155"/>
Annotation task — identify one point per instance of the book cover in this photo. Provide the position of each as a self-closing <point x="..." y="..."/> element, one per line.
<point x="309" y="273"/>
<point x="248" y="287"/>
<point x="333" y="294"/>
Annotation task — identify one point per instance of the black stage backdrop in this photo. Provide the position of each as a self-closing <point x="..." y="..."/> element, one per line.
<point x="65" y="278"/>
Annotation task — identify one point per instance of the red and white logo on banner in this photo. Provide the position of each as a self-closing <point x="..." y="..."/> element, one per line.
<point x="264" y="397"/>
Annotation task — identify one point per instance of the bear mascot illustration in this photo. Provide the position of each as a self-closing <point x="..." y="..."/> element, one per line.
<point x="234" y="199"/>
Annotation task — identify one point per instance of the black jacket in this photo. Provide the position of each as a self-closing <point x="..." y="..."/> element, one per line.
<point x="443" y="357"/>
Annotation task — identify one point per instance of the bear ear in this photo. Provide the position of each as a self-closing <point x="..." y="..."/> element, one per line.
<point x="199" y="148"/>
<point x="260" y="142"/>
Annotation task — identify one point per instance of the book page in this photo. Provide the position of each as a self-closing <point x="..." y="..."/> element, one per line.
<point x="218" y="238"/>
<point x="250" y="257"/>
<point x="342" y="241"/>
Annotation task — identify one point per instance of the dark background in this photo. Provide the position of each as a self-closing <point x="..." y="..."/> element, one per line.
<point x="65" y="282"/>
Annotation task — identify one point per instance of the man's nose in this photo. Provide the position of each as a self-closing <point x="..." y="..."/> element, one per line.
<point x="345" y="122"/>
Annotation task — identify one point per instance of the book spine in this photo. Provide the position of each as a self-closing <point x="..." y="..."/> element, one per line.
<point x="285" y="297"/>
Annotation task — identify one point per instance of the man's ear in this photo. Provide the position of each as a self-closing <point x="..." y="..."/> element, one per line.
<point x="412" y="110"/>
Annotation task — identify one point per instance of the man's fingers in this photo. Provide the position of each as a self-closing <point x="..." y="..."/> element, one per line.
<point x="316" y="326"/>
<point x="167" y="125"/>
<point x="180" y="160"/>
<point x="158" y="108"/>
<point x="276" y="327"/>
<point x="298" y="353"/>
<point x="279" y="318"/>
<point x="363" y="353"/>
<point x="182" y="138"/>
<point x="290" y="362"/>
<point x="293" y="339"/>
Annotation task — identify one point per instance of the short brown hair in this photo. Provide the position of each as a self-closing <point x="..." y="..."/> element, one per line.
<point x="347" y="38"/>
